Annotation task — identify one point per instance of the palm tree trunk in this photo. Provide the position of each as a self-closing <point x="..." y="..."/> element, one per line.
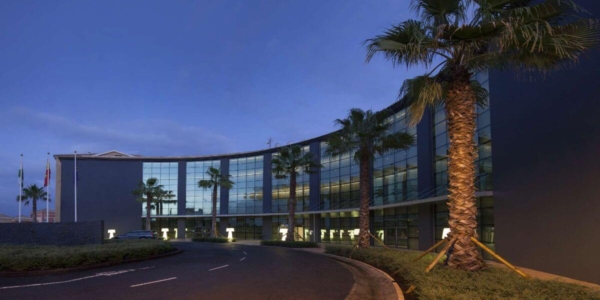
<point x="148" y="209"/>
<point x="34" y="209"/>
<point x="460" y="115"/>
<point x="363" y="239"/>
<point x="213" y="231"/>
<point x="292" y="208"/>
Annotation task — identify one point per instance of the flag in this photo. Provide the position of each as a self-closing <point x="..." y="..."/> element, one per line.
<point x="21" y="176"/>
<point x="47" y="178"/>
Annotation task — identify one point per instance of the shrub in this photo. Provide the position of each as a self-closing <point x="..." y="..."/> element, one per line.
<point x="446" y="283"/>
<point x="35" y="258"/>
<point x="294" y="244"/>
<point x="213" y="240"/>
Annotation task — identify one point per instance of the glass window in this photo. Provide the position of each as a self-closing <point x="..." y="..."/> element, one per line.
<point x="166" y="174"/>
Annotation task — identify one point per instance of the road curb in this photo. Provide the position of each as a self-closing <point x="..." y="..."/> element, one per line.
<point x="386" y="285"/>
<point x="85" y="268"/>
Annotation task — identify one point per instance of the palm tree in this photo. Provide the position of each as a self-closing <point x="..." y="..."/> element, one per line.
<point x="365" y="133"/>
<point x="290" y="161"/>
<point x="147" y="192"/>
<point x="163" y="197"/>
<point x="216" y="179"/>
<point x="33" y="193"/>
<point x="470" y="36"/>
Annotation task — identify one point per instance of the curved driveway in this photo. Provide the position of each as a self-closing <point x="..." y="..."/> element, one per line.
<point x="202" y="271"/>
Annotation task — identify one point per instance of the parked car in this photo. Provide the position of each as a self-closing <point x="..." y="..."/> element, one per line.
<point x="137" y="234"/>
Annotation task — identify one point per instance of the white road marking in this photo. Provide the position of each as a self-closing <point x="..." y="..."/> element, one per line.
<point x="151" y="282"/>
<point x="245" y="253"/>
<point x="110" y="273"/>
<point x="242" y="258"/>
<point x="48" y="283"/>
<point x="221" y="267"/>
<point x="146" y="268"/>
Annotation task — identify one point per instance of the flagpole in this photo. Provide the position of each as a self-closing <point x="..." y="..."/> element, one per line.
<point x="20" y="187"/>
<point x="75" y="181"/>
<point x="48" y="188"/>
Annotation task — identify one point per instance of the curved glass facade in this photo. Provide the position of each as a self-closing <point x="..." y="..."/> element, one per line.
<point x="408" y="189"/>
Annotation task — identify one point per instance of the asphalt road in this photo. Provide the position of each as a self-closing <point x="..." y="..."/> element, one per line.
<point x="202" y="271"/>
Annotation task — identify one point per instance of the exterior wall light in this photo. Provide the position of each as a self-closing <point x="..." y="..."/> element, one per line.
<point x="164" y="231"/>
<point x="111" y="233"/>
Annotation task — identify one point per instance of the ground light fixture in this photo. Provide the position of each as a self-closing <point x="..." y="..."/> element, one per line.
<point x="445" y="232"/>
<point x="230" y="231"/>
<point x="111" y="233"/>
<point x="283" y="232"/>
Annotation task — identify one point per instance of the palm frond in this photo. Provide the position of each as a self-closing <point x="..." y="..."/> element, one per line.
<point x="482" y="95"/>
<point x="438" y="12"/>
<point x="419" y="93"/>
<point x="408" y="43"/>
<point x="395" y="141"/>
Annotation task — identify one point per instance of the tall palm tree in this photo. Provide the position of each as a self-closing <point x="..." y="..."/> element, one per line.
<point x="365" y="133"/>
<point x="33" y="193"/>
<point x="470" y="36"/>
<point x="163" y="197"/>
<point x="290" y="161"/>
<point x="215" y="180"/>
<point x="147" y="192"/>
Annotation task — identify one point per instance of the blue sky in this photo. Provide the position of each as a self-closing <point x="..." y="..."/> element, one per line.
<point x="182" y="77"/>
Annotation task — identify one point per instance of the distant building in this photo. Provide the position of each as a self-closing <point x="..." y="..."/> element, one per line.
<point x="10" y="219"/>
<point x="41" y="216"/>
<point x="5" y="219"/>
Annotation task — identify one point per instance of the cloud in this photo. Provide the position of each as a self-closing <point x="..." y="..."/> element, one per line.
<point x="145" y="137"/>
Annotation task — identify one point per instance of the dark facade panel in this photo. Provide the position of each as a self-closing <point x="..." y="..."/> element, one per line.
<point x="315" y="178"/>
<point x="224" y="191"/>
<point x="104" y="193"/>
<point x="425" y="156"/>
<point x="267" y="184"/>
<point x="546" y="145"/>
<point x="181" y="187"/>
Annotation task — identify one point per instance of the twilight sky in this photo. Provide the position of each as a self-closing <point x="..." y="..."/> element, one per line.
<point x="181" y="77"/>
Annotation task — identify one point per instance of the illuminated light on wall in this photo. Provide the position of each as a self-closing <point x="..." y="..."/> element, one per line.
<point x="175" y="232"/>
<point x="164" y="231"/>
<point x="323" y="233"/>
<point x="111" y="233"/>
<point x="283" y="231"/>
<point x="230" y="231"/>
<point x="445" y="232"/>
<point x="379" y="234"/>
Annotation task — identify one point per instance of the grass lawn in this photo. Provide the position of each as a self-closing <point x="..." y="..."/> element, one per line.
<point x="446" y="283"/>
<point x="35" y="258"/>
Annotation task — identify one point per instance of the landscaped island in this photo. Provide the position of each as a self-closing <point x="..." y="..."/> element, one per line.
<point x="37" y="258"/>
<point x="447" y="283"/>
